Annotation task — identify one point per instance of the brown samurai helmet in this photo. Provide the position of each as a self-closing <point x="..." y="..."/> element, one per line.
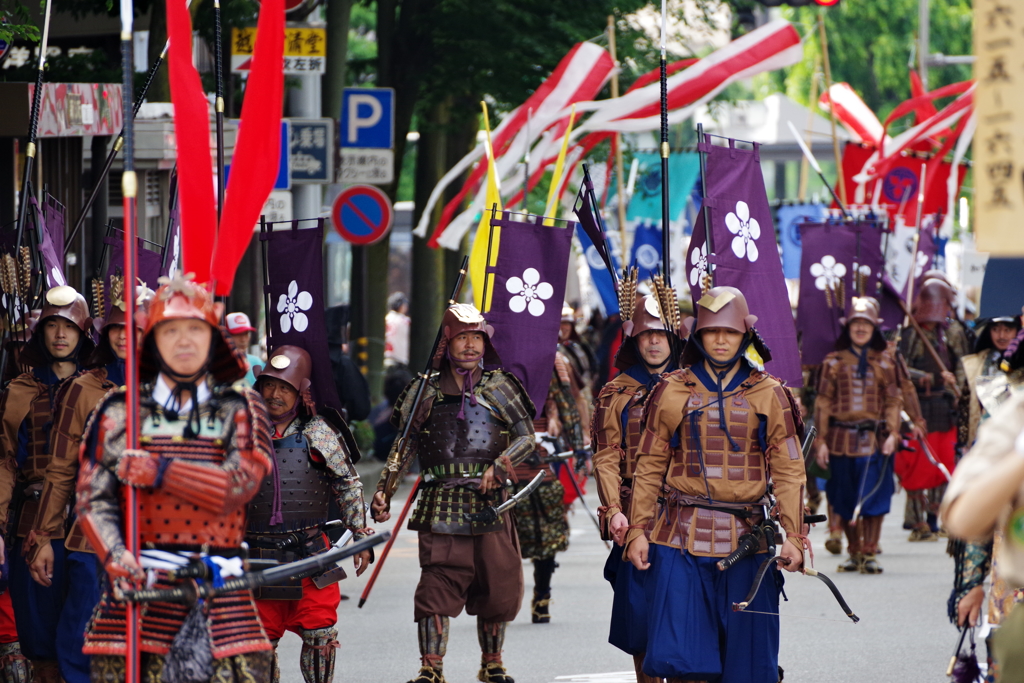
<point x="862" y="308"/>
<point x="721" y="307"/>
<point x="460" y="318"/>
<point x="646" y="316"/>
<point x="59" y="302"/>
<point x="291" y="364"/>
<point x="933" y="301"/>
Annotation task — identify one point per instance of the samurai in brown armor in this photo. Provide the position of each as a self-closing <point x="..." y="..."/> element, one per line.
<point x="542" y="518"/>
<point x="313" y="463"/>
<point x="648" y="351"/>
<point x="77" y="402"/>
<point x="471" y="429"/>
<point x="857" y="410"/>
<point x="55" y="351"/>
<point x="723" y="437"/>
<point x="938" y="395"/>
<point x="204" y="451"/>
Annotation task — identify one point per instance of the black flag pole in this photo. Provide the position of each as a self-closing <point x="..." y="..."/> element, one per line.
<point x="129" y="190"/>
<point x="704" y="208"/>
<point x="218" y="66"/>
<point x="665" y="237"/>
<point x="115" y="148"/>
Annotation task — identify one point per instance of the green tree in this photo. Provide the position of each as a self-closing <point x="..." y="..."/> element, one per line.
<point x="870" y="45"/>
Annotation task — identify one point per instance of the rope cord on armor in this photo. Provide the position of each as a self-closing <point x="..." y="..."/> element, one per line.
<point x="862" y="360"/>
<point x="467" y="378"/>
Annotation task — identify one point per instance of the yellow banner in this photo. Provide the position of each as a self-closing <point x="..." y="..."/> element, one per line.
<point x="298" y="42"/>
<point x="999" y="140"/>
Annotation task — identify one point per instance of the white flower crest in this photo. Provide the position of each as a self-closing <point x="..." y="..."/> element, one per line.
<point x="57" y="277"/>
<point x="827" y="273"/>
<point x="699" y="263"/>
<point x="530" y="292"/>
<point x="291" y="306"/>
<point x="922" y="263"/>
<point x="746" y="229"/>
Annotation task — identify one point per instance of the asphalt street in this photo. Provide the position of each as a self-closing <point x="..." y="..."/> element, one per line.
<point x="903" y="634"/>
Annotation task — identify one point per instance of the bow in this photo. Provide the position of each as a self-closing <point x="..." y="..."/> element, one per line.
<point x="861" y="499"/>
<point x="762" y="571"/>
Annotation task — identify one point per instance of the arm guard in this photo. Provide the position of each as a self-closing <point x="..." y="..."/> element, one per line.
<point x="344" y="481"/>
<point x="403" y="451"/>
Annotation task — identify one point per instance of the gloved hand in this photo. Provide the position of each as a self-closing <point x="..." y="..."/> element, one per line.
<point x="141" y="469"/>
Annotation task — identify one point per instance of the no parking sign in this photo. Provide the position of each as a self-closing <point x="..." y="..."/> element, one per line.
<point x="362" y="214"/>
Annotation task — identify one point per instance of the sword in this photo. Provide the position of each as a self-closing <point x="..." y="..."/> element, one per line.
<point x="191" y="591"/>
<point x="491" y="513"/>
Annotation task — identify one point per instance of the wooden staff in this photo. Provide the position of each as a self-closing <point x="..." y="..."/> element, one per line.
<point x="129" y="190"/>
<point x="831" y="105"/>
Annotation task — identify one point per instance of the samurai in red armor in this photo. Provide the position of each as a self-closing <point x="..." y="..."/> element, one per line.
<point x="55" y="351"/>
<point x="858" y="413"/>
<point x="312" y="464"/>
<point x="649" y="350"/>
<point x="471" y="429"/>
<point x="204" y="451"/>
<point x="723" y="437"/>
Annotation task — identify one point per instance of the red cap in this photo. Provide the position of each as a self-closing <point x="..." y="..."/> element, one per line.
<point x="238" y="323"/>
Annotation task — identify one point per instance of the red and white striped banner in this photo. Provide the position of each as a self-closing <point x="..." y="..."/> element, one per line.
<point x="851" y="111"/>
<point x="773" y="46"/>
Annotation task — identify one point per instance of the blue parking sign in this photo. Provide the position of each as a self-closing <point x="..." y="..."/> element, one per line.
<point x="368" y="118"/>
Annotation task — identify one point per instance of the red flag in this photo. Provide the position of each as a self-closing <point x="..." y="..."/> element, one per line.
<point x="258" y="150"/>
<point x="191" y="132"/>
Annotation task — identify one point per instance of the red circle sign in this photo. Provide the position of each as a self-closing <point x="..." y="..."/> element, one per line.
<point x="362" y="214"/>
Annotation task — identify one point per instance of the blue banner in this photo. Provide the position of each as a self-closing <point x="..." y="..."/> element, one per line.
<point x="599" y="272"/>
<point x="646" y="252"/>
<point x="789" y="218"/>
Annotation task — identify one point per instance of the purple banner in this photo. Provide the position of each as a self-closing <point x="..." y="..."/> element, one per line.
<point x="51" y="241"/>
<point x="295" y="271"/>
<point x="745" y="255"/>
<point x="148" y="261"/>
<point x="526" y="302"/>
<point x="839" y="261"/>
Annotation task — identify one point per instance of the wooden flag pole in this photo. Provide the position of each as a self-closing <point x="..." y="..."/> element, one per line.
<point x="620" y="185"/>
<point x="831" y="106"/>
<point x="129" y="189"/>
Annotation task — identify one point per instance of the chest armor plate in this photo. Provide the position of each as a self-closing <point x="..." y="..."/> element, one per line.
<point x="165" y="519"/>
<point x="40" y="424"/>
<point x="631" y="438"/>
<point x="856" y="395"/>
<point x="305" y="492"/>
<point x="702" y="439"/>
<point x="450" y="447"/>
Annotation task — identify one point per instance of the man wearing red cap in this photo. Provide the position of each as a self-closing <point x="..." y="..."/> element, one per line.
<point x="59" y="344"/>
<point x="857" y="411"/>
<point x="240" y="328"/>
<point x="649" y="350"/>
<point x="205" y="449"/>
<point x="723" y="437"/>
<point x="471" y="429"/>
<point x="312" y="464"/>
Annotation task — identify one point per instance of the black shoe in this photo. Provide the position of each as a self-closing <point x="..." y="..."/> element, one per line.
<point x="429" y="674"/>
<point x="540" y="613"/>
<point x="494" y="672"/>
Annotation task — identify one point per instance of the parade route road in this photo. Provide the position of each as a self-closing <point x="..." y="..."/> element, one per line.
<point x="903" y="634"/>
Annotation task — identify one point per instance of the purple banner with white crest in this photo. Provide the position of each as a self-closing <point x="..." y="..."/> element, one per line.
<point x="295" y="272"/>
<point x="528" y="288"/>
<point x="52" y="240"/>
<point x="839" y="262"/>
<point x="745" y="254"/>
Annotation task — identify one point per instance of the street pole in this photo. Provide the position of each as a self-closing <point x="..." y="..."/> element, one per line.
<point x="923" y="41"/>
<point x="620" y="186"/>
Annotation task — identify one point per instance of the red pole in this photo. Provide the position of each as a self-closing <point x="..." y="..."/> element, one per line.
<point x="391" y="541"/>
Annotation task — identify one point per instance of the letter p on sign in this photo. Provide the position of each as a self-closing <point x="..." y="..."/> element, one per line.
<point x="367" y="118"/>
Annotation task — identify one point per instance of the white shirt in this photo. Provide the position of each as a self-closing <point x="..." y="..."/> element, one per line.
<point x="163" y="395"/>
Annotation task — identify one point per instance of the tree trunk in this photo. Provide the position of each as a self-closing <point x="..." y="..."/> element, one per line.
<point x="428" y="295"/>
<point x="339" y="14"/>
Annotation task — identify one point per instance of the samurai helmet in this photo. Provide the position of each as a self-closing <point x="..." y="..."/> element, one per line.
<point x="116" y="315"/>
<point x="932" y="303"/>
<point x="724" y="307"/>
<point x="568" y="314"/>
<point x="291" y="364"/>
<point x="65" y="302"/>
<point x="460" y="318"/>
<point x="179" y="298"/>
<point x="60" y="302"/>
<point x="645" y="316"/>
<point x="862" y="308"/>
